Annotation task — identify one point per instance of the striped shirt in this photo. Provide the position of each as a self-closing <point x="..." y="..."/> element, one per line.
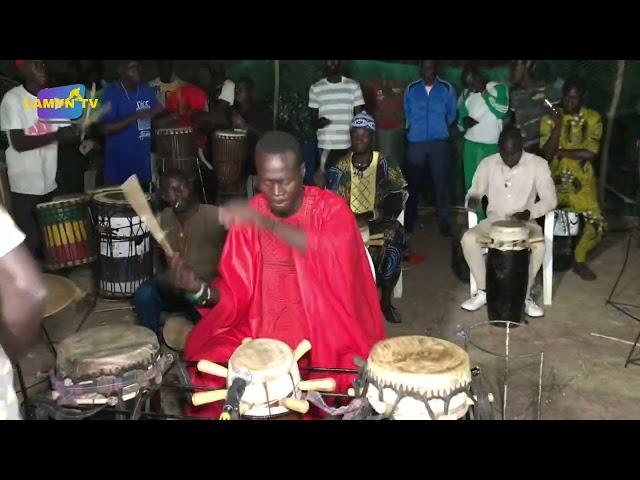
<point x="336" y="102"/>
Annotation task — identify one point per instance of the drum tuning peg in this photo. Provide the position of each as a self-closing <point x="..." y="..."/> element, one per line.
<point x="202" y="398"/>
<point x="318" y="385"/>
<point x="303" y="347"/>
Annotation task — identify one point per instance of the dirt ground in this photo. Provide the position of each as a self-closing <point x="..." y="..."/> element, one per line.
<point x="583" y="375"/>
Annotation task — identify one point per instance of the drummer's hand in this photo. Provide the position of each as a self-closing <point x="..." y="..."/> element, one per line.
<point x="473" y="204"/>
<point x="239" y="213"/>
<point x="182" y="277"/>
<point x="522" y="216"/>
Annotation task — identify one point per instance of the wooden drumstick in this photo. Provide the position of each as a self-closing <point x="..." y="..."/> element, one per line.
<point x="303" y="347"/>
<point x="85" y="124"/>
<point x="211" y="368"/>
<point x="318" y="385"/>
<point x="134" y="194"/>
<point x="295" y="404"/>
<point x="202" y="398"/>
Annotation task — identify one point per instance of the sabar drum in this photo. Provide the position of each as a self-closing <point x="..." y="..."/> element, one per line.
<point x="507" y="271"/>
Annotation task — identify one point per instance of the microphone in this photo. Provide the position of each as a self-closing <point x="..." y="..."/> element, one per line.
<point x="231" y="409"/>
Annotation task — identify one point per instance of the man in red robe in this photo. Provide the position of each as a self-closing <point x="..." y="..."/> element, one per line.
<point x="293" y="268"/>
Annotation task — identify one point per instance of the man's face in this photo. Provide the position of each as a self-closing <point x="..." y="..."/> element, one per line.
<point x="361" y="140"/>
<point x="165" y="69"/>
<point x="474" y="83"/>
<point x="244" y="92"/>
<point x="280" y="178"/>
<point x="36" y="72"/>
<point x="511" y="152"/>
<point x="428" y="71"/>
<point x="177" y="194"/>
<point x="333" y="66"/>
<point x="572" y="101"/>
<point x="517" y="73"/>
<point x="130" y="72"/>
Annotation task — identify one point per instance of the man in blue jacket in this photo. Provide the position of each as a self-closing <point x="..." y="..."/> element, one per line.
<point x="430" y="108"/>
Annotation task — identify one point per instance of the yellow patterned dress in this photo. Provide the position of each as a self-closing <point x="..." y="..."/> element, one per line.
<point x="576" y="181"/>
<point x="378" y="194"/>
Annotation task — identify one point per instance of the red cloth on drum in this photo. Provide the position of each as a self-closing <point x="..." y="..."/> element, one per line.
<point x="270" y="290"/>
<point x="193" y="98"/>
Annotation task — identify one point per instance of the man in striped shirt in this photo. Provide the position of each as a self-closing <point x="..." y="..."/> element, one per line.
<point x="334" y="101"/>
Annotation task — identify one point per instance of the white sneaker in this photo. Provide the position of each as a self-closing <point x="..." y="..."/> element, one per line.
<point x="532" y="309"/>
<point x="476" y="302"/>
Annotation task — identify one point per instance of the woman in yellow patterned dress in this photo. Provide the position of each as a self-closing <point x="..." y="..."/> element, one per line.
<point x="570" y="139"/>
<point x="376" y="192"/>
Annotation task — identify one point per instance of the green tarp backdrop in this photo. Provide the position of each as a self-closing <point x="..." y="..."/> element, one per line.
<point x="295" y="77"/>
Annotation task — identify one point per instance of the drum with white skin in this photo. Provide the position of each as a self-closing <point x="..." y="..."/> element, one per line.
<point x="274" y="385"/>
<point x="417" y="378"/>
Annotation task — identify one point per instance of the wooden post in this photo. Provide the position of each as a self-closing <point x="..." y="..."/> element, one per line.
<point x="617" y="89"/>
<point x="276" y="93"/>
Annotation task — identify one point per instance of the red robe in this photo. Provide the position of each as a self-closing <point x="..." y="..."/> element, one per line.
<point x="270" y="290"/>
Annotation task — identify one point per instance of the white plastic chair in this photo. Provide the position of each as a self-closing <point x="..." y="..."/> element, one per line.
<point x="547" y="263"/>
<point x="397" y="291"/>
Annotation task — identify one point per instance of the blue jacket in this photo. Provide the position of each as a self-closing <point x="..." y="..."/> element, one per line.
<point x="429" y="116"/>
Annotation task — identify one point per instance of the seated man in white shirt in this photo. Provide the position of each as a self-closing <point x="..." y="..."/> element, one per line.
<point x="512" y="180"/>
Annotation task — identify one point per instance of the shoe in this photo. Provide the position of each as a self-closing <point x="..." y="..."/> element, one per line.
<point x="176" y="331"/>
<point x="476" y="302"/>
<point x="584" y="272"/>
<point x="391" y="314"/>
<point x="532" y="309"/>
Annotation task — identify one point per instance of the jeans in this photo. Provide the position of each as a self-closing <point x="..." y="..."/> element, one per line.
<point x="152" y="298"/>
<point x="434" y="154"/>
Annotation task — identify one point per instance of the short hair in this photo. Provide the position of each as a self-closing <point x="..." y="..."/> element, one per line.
<point x="248" y="81"/>
<point x="176" y="175"/>
<point x="279" y="142"/>
<point x="576" y="83"/>
<point x="435" y="62"/>
<point x="511" y="133"/>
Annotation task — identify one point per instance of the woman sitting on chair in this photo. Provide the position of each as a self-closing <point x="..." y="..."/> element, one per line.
<point x="376" y="194"/>
<point x="511" y="180"/>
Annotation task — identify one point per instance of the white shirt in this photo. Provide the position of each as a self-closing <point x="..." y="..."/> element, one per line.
<point x="32" y="172"/>
<point x="488" y="128"/>
<point x="513" y="190"/>
<point x="336" y="102"/>
<point x="11" y="237"/>
<point x="162" y="89"/>
<point x="228" y="92"/>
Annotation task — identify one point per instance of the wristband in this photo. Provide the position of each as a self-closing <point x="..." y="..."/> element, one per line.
<point x="196" y="297"/>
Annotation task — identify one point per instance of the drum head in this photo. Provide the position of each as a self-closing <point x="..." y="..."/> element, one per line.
<point x="231" y="134"/>
<point x="61" y="293"/>
<point x="64" y="200"/>
<point x="106" y="350"/>
<point x="262" y="355"/>
<point x="113" y="197"/>
<point x="418" y="355"/>
<point x="509" y="231"/>
<point x="173" y="131"/>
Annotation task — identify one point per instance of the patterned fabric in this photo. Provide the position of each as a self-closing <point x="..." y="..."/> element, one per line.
<point x="388" y="179"/>
<point x="363" y="187"/>
<point x="576" y="183"/>
<point x="364" y="120"/>
<point x="386" y="255"/>
<point x="528" y="108"/>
